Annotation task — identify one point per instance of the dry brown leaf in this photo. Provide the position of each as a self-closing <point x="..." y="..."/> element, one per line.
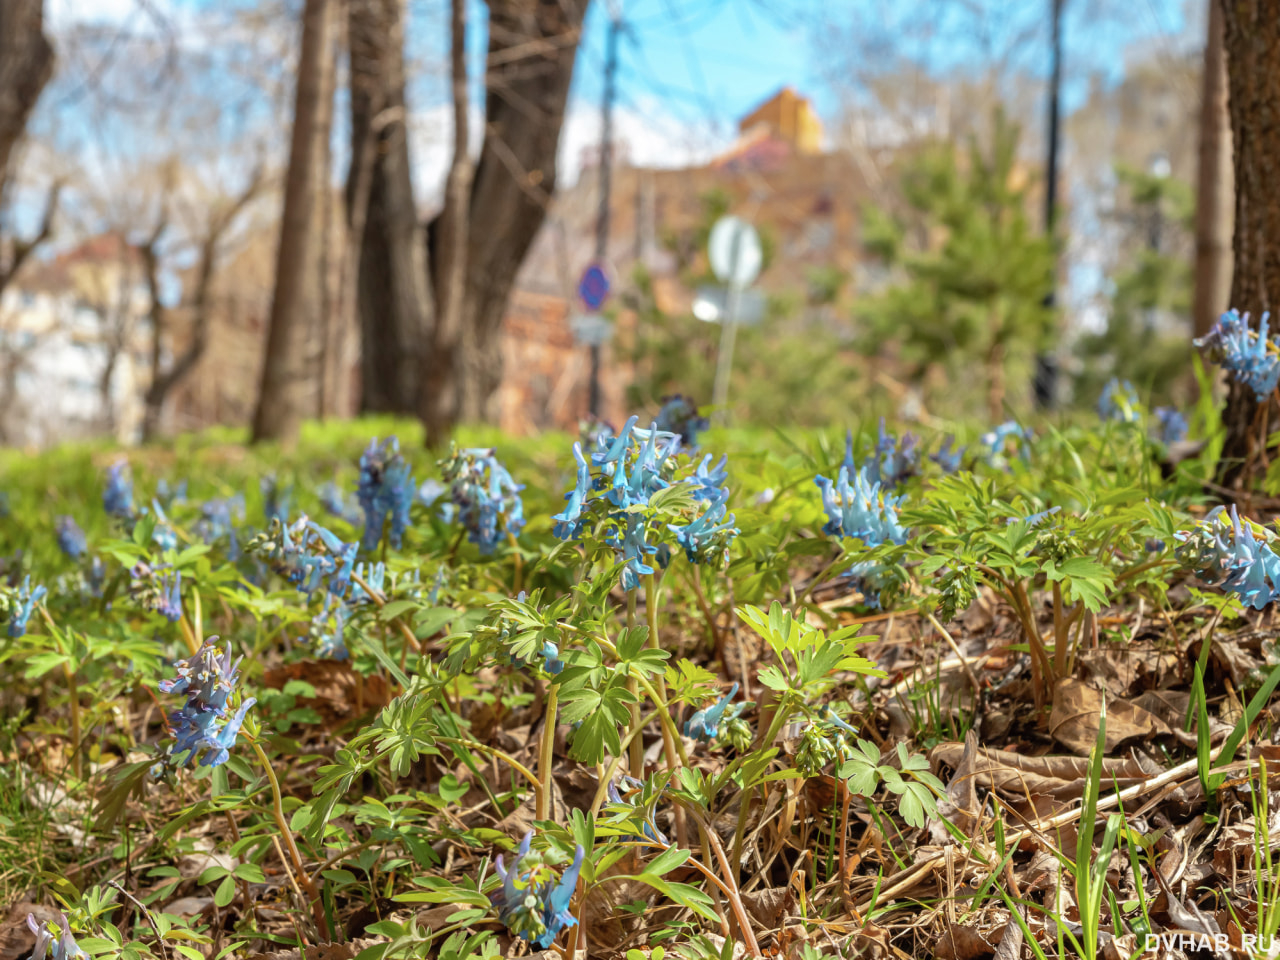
<point x="768" y="906"/>
<point x="1077" y="708"/>
<point x="961" y="942"/>
<point x="342" y="694"/>
<point x="1016" y="776"/>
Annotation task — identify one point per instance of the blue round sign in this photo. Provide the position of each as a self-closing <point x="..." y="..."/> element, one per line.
<point x="593" y="288"/>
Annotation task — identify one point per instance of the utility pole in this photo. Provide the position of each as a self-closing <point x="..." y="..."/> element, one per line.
<point x="1046" y="378"/>
<point x="606" y="179"/>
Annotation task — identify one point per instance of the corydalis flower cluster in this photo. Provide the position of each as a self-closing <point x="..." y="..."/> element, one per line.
<point x="59" y="944"/>
<point x="533" y="901"/>
<point x="679" y="415"/>
<point x="158" y="589"/>
<point x="1119" y="401"/>
<point x="71" y="539"/>
<point x="1171" y="425"/>
<point x="1246" y="353"/>
<point x="307" y="555"/>
<point x="997" y="441"/>
<point x="204" y="726"/>
<point x="1228" y="555"/>
<point x="18" y="605"/>
<point x="385" y="490"/>
<point x="859" y="508"/>
<point x="486" y="498"/>
<point x="623" y="473"/>
<point x="895" y="461"/>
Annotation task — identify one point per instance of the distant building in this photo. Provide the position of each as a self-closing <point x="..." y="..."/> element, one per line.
<point x="788" y="117"/>
<point x="75" y="345"/>
<point x="805" y="202"/>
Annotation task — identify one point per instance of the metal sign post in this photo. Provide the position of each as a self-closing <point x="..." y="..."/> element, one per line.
<point x="736" y="257"/>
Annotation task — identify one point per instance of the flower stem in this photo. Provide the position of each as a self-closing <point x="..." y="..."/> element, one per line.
<point x="73" y="691"/>
<point x="546" y="753"/>
<point x="637" y="744"/>
<point x="277" y="810"/>
<point x="660" y="682"/>
<point x="518" y="561"/>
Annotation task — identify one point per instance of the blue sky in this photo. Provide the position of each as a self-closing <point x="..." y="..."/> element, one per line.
<point x="691" y="68"/>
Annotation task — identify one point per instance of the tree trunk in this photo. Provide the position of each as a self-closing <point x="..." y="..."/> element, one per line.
<point x="1251" y="41"/>
<point x="440" y="395"/>
<point x="392" y="296"/>
<point x="1213" y="189"/>
<point x="299" y="292"/>
<point x="26" y="64"/>
<point x="532" y="46"/>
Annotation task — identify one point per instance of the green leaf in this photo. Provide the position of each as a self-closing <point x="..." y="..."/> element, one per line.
<point x="667" y="861"/>
<point x="226" y="891"/>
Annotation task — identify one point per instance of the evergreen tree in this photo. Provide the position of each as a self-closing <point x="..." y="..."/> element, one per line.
<point x="973" y="272"/>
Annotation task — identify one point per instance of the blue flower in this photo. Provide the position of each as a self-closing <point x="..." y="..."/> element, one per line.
<point x="1035" y="519"/>
<point x="948" y="459"/>
<point x="23" y="605"/>
<point x="372" y="574"/>
<point x="867" y="578"/>
<point x="859" y="509"/>
<point x="679" y="416"/>
<point x="1172" y="425"/>
<point x="340" y="505"/>
<point x="329" y="644"/>
<point x="708" y="536"/>
<point x="385" y="489"/>
<point x="487" y="498"/>
<point x="169" y="496"/>
<point x="651" y="832"/>
<point x="568" y="522"/>
<point x="169" y="601"/>
<point x="997" y="440"/>
<point x="1246" y="353"/>
<point x="64" y="947"/>
<point x="532" y="902"/>
<point x="277" y="498"/>
<point x="117" y="498"/>
<point x="893" y="464"/>
<point x="1119" y="401"/>
<point x="708" y="482"/>
<point x="705" y="723"/>
<point x="204" y="726"/>
<point x="217" y="521"/>
<point x="163" y="535"/>
<point x="71" y="538"/>
<point x="1231" y="558"/>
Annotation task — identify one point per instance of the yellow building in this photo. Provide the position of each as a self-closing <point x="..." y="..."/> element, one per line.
<point x="786" y="116"/>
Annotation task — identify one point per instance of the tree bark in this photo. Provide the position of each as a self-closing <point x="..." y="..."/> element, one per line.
<point x="26" y="65"/>
<point x="1213" y="188"/>
<point x="391" y="288"/>
<point x="288" y="366"/>
<point x="440" y="391"/>
<point x="532" y="46"/>
<point x="1251" y="40"/>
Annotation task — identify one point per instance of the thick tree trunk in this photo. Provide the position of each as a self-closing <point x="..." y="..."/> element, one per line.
<point x="26" y="64"/>
<point x="1213" y="188"/>
<point x="440" y="394"/>
<point x="288" y="366"/>
<point x="532" y="45"/>
<point x="1251" y="40"/>
<point x="392" y="295"/>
